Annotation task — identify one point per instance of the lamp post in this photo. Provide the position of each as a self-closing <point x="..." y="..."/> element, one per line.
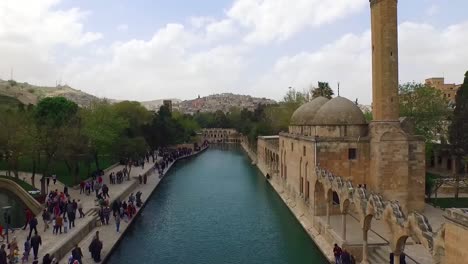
<point x="7" y="218"/>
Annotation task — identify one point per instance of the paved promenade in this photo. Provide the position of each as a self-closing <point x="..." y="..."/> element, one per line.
<point x="54" y="243"/>
<point x="107" y="233"/>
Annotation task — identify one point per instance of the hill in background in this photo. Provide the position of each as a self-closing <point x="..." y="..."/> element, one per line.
<point x="12" y="91"/>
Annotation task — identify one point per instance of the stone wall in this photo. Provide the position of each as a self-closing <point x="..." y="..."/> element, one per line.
<point x="456" y="236"/>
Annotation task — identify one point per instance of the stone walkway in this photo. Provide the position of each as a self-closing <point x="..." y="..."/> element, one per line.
<point x="53" y="243"/>
<point x="107" y="233"/>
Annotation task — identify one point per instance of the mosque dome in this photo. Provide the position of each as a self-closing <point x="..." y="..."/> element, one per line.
<point x="305" y="114"/>
<point x="339" y="111"/>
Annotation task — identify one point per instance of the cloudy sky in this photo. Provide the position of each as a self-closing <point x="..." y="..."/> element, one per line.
<point x="152" y="49"/>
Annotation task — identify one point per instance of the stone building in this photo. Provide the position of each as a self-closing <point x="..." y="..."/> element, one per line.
<point x="221" y="135"/>
<point x="449" y="90"/>
<point x="331" y="162"/>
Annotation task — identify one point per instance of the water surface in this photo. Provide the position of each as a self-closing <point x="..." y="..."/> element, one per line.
<point x="216" y="208"/>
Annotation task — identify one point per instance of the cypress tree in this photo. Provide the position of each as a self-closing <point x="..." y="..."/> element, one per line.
<point x="459" y="127"/>
<point x="458" y="130"/>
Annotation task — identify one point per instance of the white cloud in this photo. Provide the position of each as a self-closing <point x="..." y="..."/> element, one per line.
<point x="122" y="28"/>
<point x="164" y="66"/>
<point x="29" y="32"/>
<point x="220" y="29"/>
<point x="280" y="19"/>
<point x="200" y="21"/>
<point x="425" y="51"/>
<point x="209" y="55"/>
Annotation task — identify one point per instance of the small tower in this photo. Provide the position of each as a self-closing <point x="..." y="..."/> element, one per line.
<point x="384" y="60"/>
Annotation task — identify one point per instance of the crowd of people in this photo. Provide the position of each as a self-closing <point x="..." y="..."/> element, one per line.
<point x="61" y="210"/>
<point x="169" y="156"/>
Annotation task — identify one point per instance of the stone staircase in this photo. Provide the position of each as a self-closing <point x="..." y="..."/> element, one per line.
<point x="381" y="255"/>
<point x="378" y="255"/>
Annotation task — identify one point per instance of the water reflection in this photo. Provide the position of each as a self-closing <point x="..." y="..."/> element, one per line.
<point x="8" y="198"/>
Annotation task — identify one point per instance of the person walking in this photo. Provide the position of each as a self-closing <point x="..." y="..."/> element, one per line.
<point x="71" y="215"/>
<point x="36" y="241"/>
<point x="82" y="187"/>
<point x="140" y="179"/>
<point x="58" y="224"/>
<point x="32" y="225"/>
<point x="145" y="178"/>
<point x="345" y="257"/>
<point x="29" y="216"/>
<point x="80" y="208"/>
<point x="95" y="248"/>
<point x="47" y="259"/>
<point x="77" y="254"/>
<point x="3" y="255"/>
<point x="46" y="219"/>
<point x="27" y="250"/>
<point x="117" y="222"/>
<point x="337" y="253"/>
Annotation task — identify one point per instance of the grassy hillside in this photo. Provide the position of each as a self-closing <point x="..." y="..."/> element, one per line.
<point x="31" y="94"/>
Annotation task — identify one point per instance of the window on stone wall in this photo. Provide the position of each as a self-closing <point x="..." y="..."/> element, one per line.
<point x="352" y="154"/>
<point x="304" y="151"/>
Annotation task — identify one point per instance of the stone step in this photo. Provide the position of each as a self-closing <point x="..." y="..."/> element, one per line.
<point x="379" y="255"/>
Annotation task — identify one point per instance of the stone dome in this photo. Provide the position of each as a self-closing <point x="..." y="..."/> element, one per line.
<point x="339" y="111"/>
<point x="305" y="114"/>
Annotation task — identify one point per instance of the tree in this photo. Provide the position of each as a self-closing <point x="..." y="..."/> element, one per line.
<point x="426" y="107"/>
<point x="323" y="90"/>
<point x="458" y="130"/>
<point x="135" y="114"/>
<point x="103" y="127"/>
<point x="13" y="137"/>
<point x="52" y="116"/>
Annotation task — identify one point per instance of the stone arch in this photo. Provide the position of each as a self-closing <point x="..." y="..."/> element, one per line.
<point x="344" y="206"/>
<point x="367" y="222"/>
<point x="335" y="197"/>
<point x="24" y="196"/>
<point x="399" y="246"/>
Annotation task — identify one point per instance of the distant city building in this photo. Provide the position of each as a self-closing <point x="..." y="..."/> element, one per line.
<point x="222" y="102"/>
<point x="449" y="90"/>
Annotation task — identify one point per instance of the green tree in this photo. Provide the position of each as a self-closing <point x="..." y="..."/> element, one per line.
<point x="426" y="107"/>
<point x="135" y="114"/>
<point x="323" y="90"/>
<point x="458" y="130"/>
<point x="13" y="137"/>
<point x="103" y="127"/>
<point x="52" y="115"/>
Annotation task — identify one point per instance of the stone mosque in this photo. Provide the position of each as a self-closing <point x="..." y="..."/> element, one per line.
<point x="337" y="172"/>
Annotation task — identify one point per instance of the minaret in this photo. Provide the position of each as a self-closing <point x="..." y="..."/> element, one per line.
<point x="384" y="27"/>
<point x="397" y="158"/>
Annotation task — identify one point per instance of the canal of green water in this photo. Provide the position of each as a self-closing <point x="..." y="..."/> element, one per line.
<point x="16" y="210"/>
<point x="212" y="209"/>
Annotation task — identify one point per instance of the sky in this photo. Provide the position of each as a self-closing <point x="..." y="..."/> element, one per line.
<point x="154" y="49"/>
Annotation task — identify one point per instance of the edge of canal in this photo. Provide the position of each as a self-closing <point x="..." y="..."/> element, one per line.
<point x="105" y="258"/>
<point x="323" y="246"/>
